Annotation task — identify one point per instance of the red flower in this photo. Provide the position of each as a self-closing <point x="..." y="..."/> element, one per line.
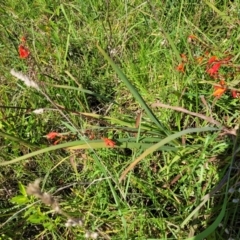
<point x="220" y="90"/>
<point x="235" y="94"/>
<point x="191" y="38"/>
<point x="214" y="69"/>
<point x="52" y="135"/>
<point x="23" y="51"/>
<point x="180" y="67"/>
<point x="212" y="59"/>
<point x="109" y="142"/>
<point x="183" y="57"/>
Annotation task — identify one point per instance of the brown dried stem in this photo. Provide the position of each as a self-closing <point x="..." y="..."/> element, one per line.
<point x="204" y="117"/>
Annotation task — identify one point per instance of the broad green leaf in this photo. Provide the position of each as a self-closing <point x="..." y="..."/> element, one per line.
<point x="22" y="189"/>
<point x="20" y="200"/>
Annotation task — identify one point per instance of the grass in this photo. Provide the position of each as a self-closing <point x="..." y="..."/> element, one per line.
<point x="103" y="69"/>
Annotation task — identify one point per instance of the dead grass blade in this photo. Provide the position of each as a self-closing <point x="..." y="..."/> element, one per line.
<point x="199" y="115"/>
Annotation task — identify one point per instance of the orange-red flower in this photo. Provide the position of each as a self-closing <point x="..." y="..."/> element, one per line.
<point x="109" y="142"/>
<point x="23" y="51"/>
<point x="52" y="135"/>
<point x="191" y="38"/>
<point x="220" y="90"/>
<point x="214" y="69"/>
<point x="184" y="57"/>
<point x="180" y="67"/>
<point x="235" y="94"/>
<point x="212" y="59"/>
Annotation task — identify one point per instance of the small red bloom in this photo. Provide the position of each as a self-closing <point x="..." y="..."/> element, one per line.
<point x="220" y="90"/>
<point x="180" y="67"/>
<point x="191" y="38"/>
<point x="212" y="59"/>
<point x="214" y="69"/>
<point x="23" y="51"/>
<point x="52" y="135"/>
<point x="184" y="57"/>
<point x="222" y="82"/>
<point x="109" y="142"/>
<point x="235" y="94"/>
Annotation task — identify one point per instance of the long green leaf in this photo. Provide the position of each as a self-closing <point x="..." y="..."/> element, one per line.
<point x="162" y="143"/>
<point x="134" y="92"/>
<point x="221" y="14"/>
<point x="81" y="90"/>
<point x="219" y="218"/>
<point x="16" y="139"/>
<point x="213" y="226"/>
<point x="95" y="144"/>
<point x="166" y="35"/>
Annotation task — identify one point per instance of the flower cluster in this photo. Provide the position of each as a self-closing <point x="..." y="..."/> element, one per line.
<point x="213" y="66"/>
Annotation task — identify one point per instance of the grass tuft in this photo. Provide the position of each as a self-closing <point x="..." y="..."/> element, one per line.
<point x="144" y="92"/>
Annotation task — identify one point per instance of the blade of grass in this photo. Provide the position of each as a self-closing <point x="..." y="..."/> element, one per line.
<point x="133" y="91"/>
<point x="114" y="193"/>
<point x="15" y="139"/>
<point x="221" y="14"/>
<point x="122" y="123"/>
<point x="160" y="144"/>
<point x="212" y="227"/>
<point x="85" y="145"/>
<point x="165" y="34"/>
<point x="215" y="224"/>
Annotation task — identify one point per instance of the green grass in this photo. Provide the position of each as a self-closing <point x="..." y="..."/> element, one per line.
<point x="100" y="66"/>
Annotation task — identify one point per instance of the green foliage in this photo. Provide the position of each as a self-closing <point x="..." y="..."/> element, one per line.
<point x="100" y="66"/>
